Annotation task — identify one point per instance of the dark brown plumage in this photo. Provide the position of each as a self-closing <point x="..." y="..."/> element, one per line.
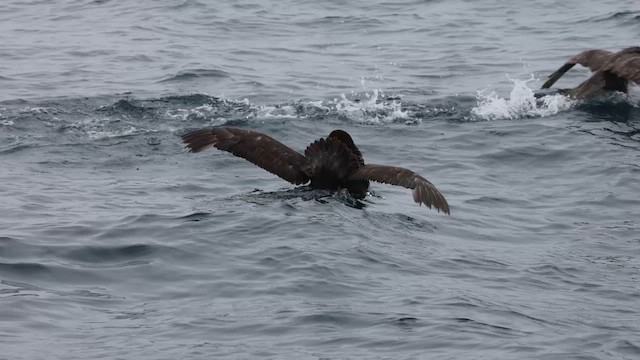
<point x="612" y="71"/>
<point x="330" y="163"/>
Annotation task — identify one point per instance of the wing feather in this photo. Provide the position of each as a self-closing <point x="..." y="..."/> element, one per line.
<point x="258" y="148"/>
<point x="424" y="192"/>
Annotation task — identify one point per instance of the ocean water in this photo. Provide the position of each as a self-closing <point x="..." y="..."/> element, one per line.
<point x="116" y="243"/>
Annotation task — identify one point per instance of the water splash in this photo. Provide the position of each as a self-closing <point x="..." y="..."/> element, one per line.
<point x="633" y="97"/>
<point x="372" y="108"/>
<point x="277" y="112"/>
<point x="3" y="121"/>
<point x="521" y="103"/>
<point x="202" y="112"/>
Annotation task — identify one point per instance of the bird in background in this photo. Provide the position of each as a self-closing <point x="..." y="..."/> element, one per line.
<point x="612" y="71"/>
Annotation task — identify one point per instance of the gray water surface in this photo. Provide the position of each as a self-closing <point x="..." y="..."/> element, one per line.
<point x="115" y="243"/>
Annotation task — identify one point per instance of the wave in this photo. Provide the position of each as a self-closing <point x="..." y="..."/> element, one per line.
<point x="196" y="74"/>
<point x="626" y="16"/>
<point x="87" y="120"/>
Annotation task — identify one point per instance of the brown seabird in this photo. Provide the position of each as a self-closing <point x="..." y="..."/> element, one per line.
<point x="331" y="163"/>
<point x="612" y="71"/>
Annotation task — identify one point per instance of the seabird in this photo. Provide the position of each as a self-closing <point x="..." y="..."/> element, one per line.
<point x="331" y="163"/>
<point x="612" y="71"/>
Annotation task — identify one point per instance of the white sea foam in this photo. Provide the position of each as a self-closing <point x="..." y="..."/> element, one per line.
<point x="634" y="95"/>
<point x="203" y="111"/>
<point x="4" y="122"/>
<point x="277" y="112"/>
<point x="105" y="128"/>
<point x="106" y="134"/>
<point x="367" y="108"/>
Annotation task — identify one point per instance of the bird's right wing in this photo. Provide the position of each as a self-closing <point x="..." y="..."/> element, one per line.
<point x="424" y="192"/>
<point x="258" y="148"/>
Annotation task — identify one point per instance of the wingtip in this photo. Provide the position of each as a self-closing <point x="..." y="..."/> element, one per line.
<point x="431" y="198"/>
<point x="557" y="74"/>
<point x="444" y="208"/>
<point x="198" y="140"/>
